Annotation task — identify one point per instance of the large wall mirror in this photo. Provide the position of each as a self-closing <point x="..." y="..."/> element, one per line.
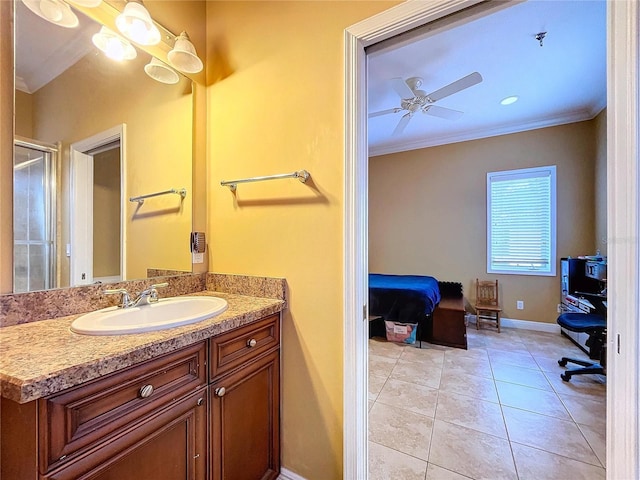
<point x="90" y="133"/>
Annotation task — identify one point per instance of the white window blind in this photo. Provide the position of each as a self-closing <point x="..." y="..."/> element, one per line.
<point x="521" y="221"/>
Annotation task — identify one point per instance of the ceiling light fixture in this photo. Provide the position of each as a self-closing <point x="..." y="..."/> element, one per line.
<point x="54" y="11"/>
<point x="161" y="72"/>
<point x="183" y="57"/>
<point x="509" y="100"/>
<point x="113" y="45"/>
<point x="136" y="24"/>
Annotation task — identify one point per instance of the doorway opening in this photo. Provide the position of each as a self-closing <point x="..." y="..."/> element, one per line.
<point x="97" y="216"/>
<point x="622" y="174"/>
<point x="435" y="227"/>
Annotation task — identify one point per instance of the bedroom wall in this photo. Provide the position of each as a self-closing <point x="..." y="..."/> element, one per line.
<point x="427" y="210"/>
<point x="600" y="240"/>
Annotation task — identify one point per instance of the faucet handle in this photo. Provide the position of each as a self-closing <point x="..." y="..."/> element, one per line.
<point x="126" y="298"/>
<point x="153" y="292"/>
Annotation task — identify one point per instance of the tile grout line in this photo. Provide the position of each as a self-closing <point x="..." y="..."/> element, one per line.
<point x="492" y="364"/>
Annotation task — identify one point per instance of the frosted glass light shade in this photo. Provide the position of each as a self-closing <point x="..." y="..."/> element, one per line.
<point x="113" y="45"/>
<point x="135" y="23"/>
<point x="54" y="11"/>
<point x="183" y="57"/>
<point x="161" y="72"/>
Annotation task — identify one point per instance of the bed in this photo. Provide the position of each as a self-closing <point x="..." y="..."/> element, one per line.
<point x="402" y="298"/>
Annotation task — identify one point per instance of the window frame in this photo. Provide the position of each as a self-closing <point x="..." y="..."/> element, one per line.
<point x="549" y="170"/>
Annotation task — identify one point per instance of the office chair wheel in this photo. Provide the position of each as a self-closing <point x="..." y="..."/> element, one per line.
<point x="562" y="362"/>
<point x="565" y="377"/>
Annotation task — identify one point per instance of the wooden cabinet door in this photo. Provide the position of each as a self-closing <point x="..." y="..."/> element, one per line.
<point x="171" y="445"/>
<point x="245" y="422"/>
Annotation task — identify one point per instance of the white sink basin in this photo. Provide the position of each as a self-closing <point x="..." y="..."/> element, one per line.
<point x="166" y="313"/>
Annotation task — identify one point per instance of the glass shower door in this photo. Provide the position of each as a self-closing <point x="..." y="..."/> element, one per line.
<point x="33" y="217"/>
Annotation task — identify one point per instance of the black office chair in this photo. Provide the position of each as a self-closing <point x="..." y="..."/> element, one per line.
<point x="595" y="326"/>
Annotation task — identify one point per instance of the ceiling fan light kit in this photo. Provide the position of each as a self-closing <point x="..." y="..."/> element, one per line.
<point x="413" y="100"/>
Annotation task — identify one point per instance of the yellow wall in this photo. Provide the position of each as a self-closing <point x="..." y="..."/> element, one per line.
<point x="106" y="207"/>
<point x="96" y="94"/>
<point x="6" y="147"/>
<point x="23" y="114"/>
<point x="280" y="109"/>
<point x="427" y="210"/>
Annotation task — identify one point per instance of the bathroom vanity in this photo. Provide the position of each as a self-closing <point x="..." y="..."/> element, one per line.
<point x="195" y="402"/>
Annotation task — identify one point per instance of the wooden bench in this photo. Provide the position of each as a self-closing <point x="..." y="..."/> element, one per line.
<point x="448" y="326"/>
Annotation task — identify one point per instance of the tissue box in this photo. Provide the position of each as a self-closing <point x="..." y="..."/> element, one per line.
<point x="401" y="332"/>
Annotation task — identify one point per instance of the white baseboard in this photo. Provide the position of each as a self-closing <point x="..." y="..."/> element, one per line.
<point x="289" y="475"/>
<point x="523" y="324"/>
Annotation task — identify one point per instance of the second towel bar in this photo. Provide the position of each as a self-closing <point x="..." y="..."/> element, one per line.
<point x="140" y="198"/>
<point x="301" y="175"/>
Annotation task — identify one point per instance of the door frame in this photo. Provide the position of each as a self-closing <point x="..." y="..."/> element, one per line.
<point x="81" y="204"/>
<point x="623" y="173"/>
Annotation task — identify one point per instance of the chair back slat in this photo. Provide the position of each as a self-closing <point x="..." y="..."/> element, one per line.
<point x="487" y="293"/>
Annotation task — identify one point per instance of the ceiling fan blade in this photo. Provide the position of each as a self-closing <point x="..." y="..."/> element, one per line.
<point x="465" y="82"/>
<point x="402" y="124"/>
<point x="441" y="112"/>
<point x="384" y="112"/>
<point x="401" y="88"/>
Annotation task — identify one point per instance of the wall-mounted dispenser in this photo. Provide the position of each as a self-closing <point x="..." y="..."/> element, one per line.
<point x="198" y="247"/>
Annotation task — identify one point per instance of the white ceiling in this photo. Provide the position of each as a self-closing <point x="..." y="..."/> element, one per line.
<point x="561" y="82"/>
<point x="38" y="39"/>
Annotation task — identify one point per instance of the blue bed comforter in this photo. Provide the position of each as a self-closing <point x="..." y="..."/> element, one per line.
<point x="390" y="291"/>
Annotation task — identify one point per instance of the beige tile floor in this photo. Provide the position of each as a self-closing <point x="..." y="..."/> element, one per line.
<point x="498" y="410"/>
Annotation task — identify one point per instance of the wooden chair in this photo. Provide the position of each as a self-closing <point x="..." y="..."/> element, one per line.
<point x="487" y="305"/>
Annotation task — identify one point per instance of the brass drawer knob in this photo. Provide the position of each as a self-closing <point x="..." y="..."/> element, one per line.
<point x="220" y="391"/>
<point x="252" y="343"/>
<point x="145" y="391"/>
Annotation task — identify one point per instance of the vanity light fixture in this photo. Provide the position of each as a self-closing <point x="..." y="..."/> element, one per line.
<point x="113" y="45"/>
<point x="509" y="100"/>
<point x="136" y="24"/>
<point x="161" y="72"/>
<point x="86" y="3"/>
<point x="54" y="11"/>
<point x="183" y="57"/>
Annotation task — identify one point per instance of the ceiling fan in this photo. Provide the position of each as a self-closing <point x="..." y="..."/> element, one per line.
<point x="414" y="100"/>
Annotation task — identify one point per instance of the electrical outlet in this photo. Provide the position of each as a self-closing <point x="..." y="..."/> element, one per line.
<point x="520" y="305"/>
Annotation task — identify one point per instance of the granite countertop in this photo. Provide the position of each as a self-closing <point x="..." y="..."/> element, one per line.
<point x="42" y="358"/>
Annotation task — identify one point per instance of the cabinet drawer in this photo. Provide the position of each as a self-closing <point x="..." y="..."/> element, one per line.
<point x="168" y="445"/>
<point x="232" y="349"/>
<point x="95" y="411"/>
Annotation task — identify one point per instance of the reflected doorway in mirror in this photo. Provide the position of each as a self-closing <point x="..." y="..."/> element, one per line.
<point x="97" y="223"/>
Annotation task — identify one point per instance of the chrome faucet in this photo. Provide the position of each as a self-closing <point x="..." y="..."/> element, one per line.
<point x="146" y="297"/>
<point x="126" y="298"/>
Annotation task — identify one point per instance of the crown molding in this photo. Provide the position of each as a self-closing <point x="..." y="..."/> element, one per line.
<point x="552" y="121"/>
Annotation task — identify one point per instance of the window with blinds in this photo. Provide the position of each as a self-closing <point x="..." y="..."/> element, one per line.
<point x="521" y="221"/>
